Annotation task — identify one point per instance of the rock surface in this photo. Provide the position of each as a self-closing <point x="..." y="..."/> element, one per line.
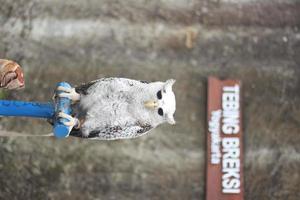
<point x="78" y="41"/>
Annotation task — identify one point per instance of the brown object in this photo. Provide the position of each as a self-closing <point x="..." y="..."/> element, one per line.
<point x="224" y="178"/>
<point x="11" y="75"/>
<point x="190" y="37"/>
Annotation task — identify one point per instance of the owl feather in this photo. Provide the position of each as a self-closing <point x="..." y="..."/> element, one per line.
<point x="116" y="108"/>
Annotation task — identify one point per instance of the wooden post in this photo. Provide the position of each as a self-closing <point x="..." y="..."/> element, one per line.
<point x="224" y="178"/>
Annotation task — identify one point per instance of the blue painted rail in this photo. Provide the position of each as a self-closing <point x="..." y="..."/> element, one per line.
<point x="26" y="109"/>
<point x="41" y="110"/>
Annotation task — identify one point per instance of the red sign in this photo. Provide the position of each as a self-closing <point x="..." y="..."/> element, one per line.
<point x="224" y="179"/>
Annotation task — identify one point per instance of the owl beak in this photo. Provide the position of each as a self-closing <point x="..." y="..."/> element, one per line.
<point x="151" y="104"/>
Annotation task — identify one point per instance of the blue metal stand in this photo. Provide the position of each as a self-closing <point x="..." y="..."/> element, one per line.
<point x="26" y="109"/>
<point x="62" y="105"/>
<point x="41" y="110"/>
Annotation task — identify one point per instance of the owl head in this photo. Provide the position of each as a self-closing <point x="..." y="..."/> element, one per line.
<point x="164" y="104"/>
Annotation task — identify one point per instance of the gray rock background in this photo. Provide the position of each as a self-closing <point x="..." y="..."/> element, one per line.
<point x="78" y="41"/>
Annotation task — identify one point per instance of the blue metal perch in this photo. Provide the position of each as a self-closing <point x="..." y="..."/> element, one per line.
<point x="41" y="110"/>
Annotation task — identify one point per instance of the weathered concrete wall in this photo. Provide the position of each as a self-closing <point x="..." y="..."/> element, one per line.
<point x="77" y="41"/>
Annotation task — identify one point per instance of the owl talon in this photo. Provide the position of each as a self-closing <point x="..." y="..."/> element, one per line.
<point x="69" y="93"/>
<point x="54" y="97"/>
<point x="72" y="121"/>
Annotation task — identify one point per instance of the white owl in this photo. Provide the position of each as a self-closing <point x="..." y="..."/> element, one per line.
<point x="119" y="108"/>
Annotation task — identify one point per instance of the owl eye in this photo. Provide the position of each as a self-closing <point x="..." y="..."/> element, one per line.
<point x="159" y="95"/>
<point x="160" y="112"/>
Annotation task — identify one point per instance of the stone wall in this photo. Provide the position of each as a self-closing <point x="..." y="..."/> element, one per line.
<point x="78" y="41"/>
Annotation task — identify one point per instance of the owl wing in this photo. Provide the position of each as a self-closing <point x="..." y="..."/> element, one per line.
<point x="115" y="132"/>
<point x="83" y="88"/>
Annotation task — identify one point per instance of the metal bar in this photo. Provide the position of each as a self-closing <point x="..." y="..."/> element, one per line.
<point x="62" y="104"/>
<point x="41" y="110"/>
<point x="26" y="109"/>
